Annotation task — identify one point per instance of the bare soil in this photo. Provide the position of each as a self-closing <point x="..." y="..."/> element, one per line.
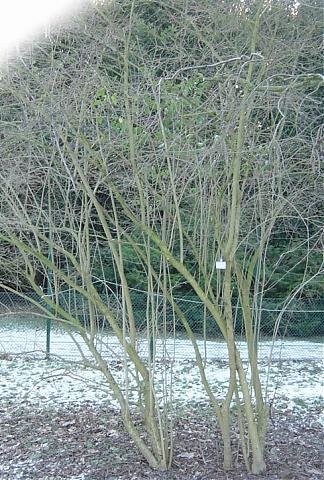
<point x="86" y="443"/>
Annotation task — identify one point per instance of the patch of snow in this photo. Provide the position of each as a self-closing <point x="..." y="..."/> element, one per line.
<point x="57" y="383"/>
<point x="34" y="340"/>
<point x="43" y="384"/>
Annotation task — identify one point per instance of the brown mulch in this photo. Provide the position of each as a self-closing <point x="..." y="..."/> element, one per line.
<point x="84" y="443"/>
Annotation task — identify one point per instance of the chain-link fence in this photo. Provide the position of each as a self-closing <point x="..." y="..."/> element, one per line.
<point x="26" y="329"/>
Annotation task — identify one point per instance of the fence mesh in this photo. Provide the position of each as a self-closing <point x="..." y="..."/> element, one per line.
<point x="25" y="328"/>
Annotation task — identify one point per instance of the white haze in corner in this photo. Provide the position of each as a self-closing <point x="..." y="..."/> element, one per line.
<point x="22" y="20"/>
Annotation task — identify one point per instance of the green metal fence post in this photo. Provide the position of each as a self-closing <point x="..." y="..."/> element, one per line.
<point x="49" y="294"/>
<point x="48" y="321"/>
<point x="48" y="338"/>
<point x="151" y="349"/>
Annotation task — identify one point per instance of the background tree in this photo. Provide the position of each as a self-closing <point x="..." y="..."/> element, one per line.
<point x="170" y="137"/>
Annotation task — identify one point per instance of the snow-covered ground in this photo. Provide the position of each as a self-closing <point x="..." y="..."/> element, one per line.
<point x="27" y="379"/>
<point x="39" y="383"/>
<point x="27" y="339"/>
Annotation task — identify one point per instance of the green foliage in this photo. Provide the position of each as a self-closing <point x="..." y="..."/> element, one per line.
<point x="199" y="113"/>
